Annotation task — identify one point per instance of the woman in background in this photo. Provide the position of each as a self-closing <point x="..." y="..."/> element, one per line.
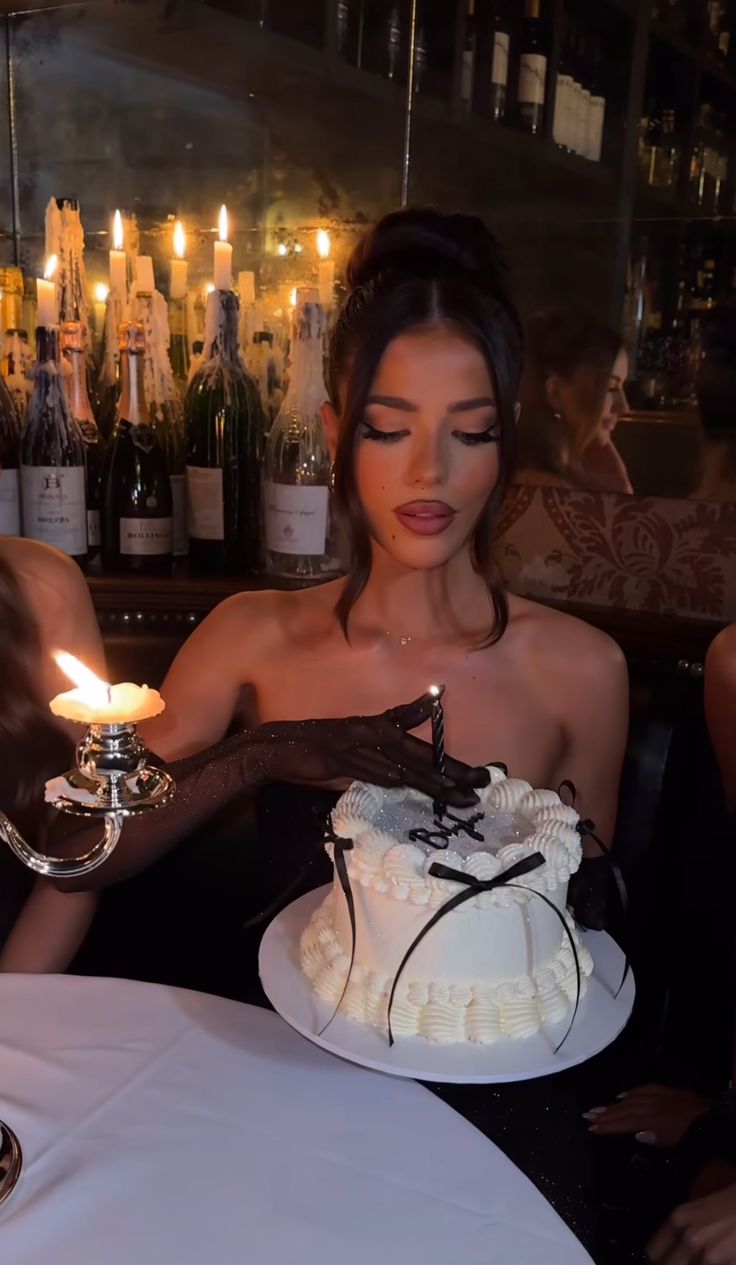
<point x="572" y="398"/>
<point x="44" y="605"/>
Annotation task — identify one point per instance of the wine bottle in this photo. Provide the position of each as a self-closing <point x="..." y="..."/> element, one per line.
<point x="296" y="492"/>
<point x="561" y="119"/>
<point x="532" y="87"/>
<point x="224" y="447"/>
<point x="500" y="51"/>
<point x="179" y="344"/>
<point x="73" y="350"/>
<point x="137" y="528"/>
<point x="342" y="22"/>
<point x="596" y="107"/>
<point x="53" y="472"/>
<point x="17" y="370"/>
<point x="420" y="60"/>
<point x="467" y="65"/>
<point x="165" y="407"/>
<point x="9" y="465"/>
<point x="581" y="130"/>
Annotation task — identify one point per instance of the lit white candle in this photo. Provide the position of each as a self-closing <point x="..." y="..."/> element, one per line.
<point x="101" y="292"/>
<point x="144" y="279"/>
<point x="118" y="258"/>
<point x="326" y="272"/>
<point x="247" y="287"/>
<point x="179" y="265"/>
<point x="47" y="312"/>
<point x="95" y="702"/>
<point x="223" y="255"/>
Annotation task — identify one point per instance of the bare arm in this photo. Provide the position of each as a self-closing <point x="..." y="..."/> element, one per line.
<point x="597" y="708"/>
<point x="203" y="684"/>
<point x="720" y="707"/>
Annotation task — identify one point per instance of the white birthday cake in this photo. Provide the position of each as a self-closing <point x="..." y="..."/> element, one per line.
<point x="498" y="964"/>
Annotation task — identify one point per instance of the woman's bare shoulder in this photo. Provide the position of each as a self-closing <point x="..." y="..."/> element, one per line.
<point x="720" y="659"/>
<point x="34" y="562"/>
<point x="261" y="615"/>
<point x="570" y="648"/>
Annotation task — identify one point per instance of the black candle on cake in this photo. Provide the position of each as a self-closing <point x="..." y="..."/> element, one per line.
<point x="438" y="739"/>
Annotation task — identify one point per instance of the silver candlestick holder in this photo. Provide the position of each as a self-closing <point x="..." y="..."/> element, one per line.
<point x="111" y="780"/>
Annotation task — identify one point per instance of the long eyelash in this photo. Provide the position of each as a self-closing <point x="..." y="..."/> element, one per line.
<point x="383" y="436"/>
<point x="489" y="436"/>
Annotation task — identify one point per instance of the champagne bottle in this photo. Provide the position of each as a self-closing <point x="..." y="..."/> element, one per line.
<point x="532" y="71"/>
<point x="165" y="407"/>
<point x="73" y="348"/>
<point x="17" y="371"/>
<point x="9" y="465"/>
<point x="179" y="344"/>
<point x="224" y="446"/>
<point x="137" y="529"/>
<point x="297" y="465"/>
<point x="501" y="47"/>
<point x="467" y="65"/>
<point x="53" y="471"/>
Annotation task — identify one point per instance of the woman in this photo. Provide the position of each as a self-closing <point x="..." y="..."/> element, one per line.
<point x="572" y="398"/>
<point x="44" y="605"/>
<point x="424" y="372"/>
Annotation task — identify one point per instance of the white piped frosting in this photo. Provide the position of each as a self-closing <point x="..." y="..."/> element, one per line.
<point x="497" y="965"/>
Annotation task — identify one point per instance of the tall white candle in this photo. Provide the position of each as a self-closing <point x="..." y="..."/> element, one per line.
<point x="223" y="256"/>
<point x="144" y="278"/>
<point x="179" y="265"/>
<point x="47" y="312"/>
<point x="326" y="269"/>
<point x="118" y="259"/>
<point x="247" y="287"/>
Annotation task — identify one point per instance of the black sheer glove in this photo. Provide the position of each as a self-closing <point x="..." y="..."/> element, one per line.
<point x="589" y="891"/>
<point x="378" y="749"/>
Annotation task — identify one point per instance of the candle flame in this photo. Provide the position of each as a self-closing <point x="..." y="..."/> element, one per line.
<point x="101" y="292"/>
<point x="95" y="690"/>
<point x="209" y="288"/>
<point x="292" y="298"/>
<point x="282" y="249"/>
<point x="323" y="243"/>
<point x="222" y="224"/>
<point x="117" y="231"/>
<point x="180" y="240"/>
<point x="51" y="266"/>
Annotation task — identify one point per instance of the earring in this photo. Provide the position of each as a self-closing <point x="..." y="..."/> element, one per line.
<point x="557" y="416"/>
<point x="517" y="412"/>
<point x="332" y="476"/>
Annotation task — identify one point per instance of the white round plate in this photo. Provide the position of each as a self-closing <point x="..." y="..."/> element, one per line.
<point x="601" y="1016"/>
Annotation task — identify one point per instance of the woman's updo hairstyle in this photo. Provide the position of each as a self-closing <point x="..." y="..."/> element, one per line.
<point x="416" y="269"/>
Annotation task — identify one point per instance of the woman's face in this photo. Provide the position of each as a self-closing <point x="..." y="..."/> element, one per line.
<point x="427" y="454"/>
<point x="587" y="419"/>
<point x="615" y="403"/>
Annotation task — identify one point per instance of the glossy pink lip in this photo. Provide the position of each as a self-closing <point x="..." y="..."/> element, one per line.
<point x="425" y="518"/>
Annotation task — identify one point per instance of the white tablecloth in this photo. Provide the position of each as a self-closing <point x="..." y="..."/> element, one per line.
<point x="167" y="1127"/>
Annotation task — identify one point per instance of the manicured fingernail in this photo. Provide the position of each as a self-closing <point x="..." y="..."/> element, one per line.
<point x="647" y="1137"/>
<point x="593" y="1112"/>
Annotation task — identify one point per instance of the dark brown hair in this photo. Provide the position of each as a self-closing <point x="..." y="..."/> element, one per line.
<point x="418" y="268"/>
<point x="561" y="342"/>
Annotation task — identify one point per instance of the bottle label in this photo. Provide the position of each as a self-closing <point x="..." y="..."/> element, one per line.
<point x="54" y="507"/>
<point x="596" y="115"/>
<point x="500" y="65"/>
<point x="206" y="507"/>
<point x="145" y="536"/>
<point x="9" y="503"/>
<point x="296" y="518"/>
<point x="466" y="76"/>
<point x="561" y="121"/>
<point x="532" y="76"/>
<point x="93" y="529"/>
<point x="179" y="513"/>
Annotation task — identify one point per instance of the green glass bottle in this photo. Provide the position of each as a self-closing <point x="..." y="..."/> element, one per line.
<point x="225" y="430"/>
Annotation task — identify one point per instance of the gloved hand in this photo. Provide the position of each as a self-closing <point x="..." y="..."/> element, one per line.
<point x="378" y="749"/>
